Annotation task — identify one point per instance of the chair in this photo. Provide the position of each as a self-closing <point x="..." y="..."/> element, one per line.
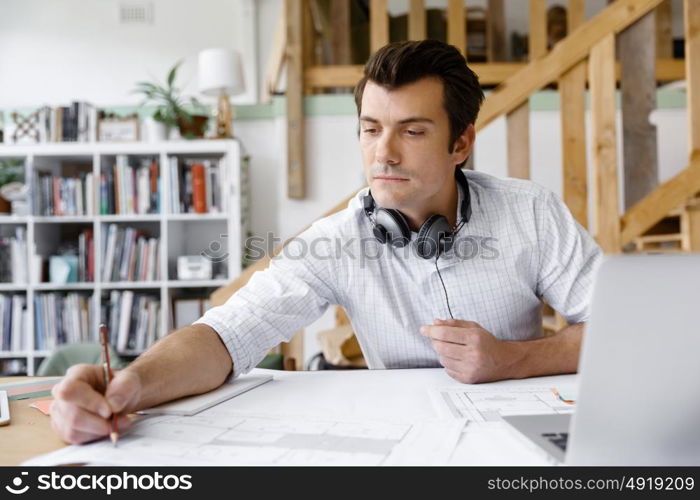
<point x="65" y="356"/>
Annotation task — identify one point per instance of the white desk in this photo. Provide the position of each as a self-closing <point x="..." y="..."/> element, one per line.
<point x="393" y="394"/>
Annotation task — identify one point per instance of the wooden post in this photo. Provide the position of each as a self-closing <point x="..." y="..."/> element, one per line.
<point x="572" y="96"/>
<point x="456" y="31"/>
<point x="293" y="352"/>
<point x="295" y="100"/>
<point x="664" y="36"/>
<point x="601" y="70"/>
<point x="496" y="32"/>
<point x="340" y="31"/>
<point x="638" y="89"/>
<point x="417" y="28"/>
<point x="518" y="120"/>
<point x="691" y="20"/>
<point x="537" y="40"/>
<point x="378" y="25"/>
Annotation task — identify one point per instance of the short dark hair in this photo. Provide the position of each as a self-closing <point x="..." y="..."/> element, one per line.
<point x="401" y="63"/>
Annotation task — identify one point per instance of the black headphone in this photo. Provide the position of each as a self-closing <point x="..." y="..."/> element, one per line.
<point x="435" y="235"/>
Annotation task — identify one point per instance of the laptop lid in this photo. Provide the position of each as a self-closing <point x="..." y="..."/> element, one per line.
<point x="639" y="394"/>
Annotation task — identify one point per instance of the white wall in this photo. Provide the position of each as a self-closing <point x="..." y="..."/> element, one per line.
<point x="56" y="51"/>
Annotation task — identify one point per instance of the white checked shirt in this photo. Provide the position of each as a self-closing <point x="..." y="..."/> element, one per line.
<point x="521" y="244"/>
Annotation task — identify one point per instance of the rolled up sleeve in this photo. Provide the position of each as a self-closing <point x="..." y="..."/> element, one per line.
<point x="295" y="290"/>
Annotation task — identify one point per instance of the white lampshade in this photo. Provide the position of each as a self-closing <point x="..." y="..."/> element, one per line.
<point x="220" y="70"/>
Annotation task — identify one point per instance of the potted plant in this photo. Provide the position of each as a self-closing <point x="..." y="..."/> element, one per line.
<point x="170" y="106"/>
<point x="11" y="177"/>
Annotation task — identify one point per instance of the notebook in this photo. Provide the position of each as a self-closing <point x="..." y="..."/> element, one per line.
<point x="192" y="405"/>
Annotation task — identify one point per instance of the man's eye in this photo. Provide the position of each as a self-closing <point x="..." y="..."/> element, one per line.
<point x="369" y="130"/>
<point x="414" y="132"/>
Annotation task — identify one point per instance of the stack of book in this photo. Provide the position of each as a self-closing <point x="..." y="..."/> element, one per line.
<point x="74" y="195"/>
<point x="133" y="320"/>
<point x="62" y="319"/>
<point x="13" y="257"/>
<point x="196" y="187"/>
<point x="74" y="123"/>
<point x="13" y="323"/>
<point x="129" y="255"/>
<point x="126" y="189"/>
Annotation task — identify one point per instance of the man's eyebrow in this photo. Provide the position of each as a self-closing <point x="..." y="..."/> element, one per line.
<point x="412" y="119"/>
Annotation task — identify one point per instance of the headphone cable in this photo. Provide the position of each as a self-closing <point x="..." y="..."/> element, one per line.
<point x="447" y="299"/>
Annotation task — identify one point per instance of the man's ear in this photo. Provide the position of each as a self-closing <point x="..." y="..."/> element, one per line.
<point x="463" y="145"/>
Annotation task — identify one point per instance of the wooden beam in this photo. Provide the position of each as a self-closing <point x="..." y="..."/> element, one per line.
<point x="489" y="74"/>
<point x="518" y="120"/>
<point x="518" y="140"/>
<point x="638" y="90"/>
<point x="575" y="14"/>
<point x="378" y="25"/>
<point x="496" y="32"/>
<point x="572" y="91"/>
<point x="293" y="352"/>
<point x="601" y="69"/>
<point x="514" y="91"/>
<point x="664" y="199"/>
<point x="572" y="95"/>
<point x="295" y="108"/>
<point x="340" y="31"/>
<point x="691" y="20"/>
<point x="664" y="35"/>
<point x="417" y="28"/>
<point x="537" y="40"/>
<point x="308" y="41"/>
<point x="456" y="32"/>
<point x="276" y="58"/>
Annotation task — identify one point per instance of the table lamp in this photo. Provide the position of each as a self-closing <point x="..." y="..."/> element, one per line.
<point x="221" y="75"/>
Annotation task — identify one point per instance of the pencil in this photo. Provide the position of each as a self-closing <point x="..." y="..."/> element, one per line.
<point x="104" y="340"/>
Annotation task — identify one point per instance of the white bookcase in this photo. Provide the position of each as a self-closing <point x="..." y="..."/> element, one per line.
<point x="180" y="234"/>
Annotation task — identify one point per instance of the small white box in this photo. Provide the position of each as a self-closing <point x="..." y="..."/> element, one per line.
<point x="193" y="267"/>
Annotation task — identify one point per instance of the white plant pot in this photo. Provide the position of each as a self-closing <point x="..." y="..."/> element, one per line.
<point x="155" y="131"/>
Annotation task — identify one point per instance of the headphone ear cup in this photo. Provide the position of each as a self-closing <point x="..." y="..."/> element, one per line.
<point x="433" y="236"/>
<point x="379" y="233"/>
<point x="393" y="225"/>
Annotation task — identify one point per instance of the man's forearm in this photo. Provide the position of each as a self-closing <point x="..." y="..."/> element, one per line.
<point x="549" y="356"/>
<point x="191" y="360"/>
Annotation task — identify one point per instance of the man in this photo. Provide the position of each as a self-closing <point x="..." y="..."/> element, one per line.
<point x="498" y="247"/>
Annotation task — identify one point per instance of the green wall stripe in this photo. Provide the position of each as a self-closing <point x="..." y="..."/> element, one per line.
<point x="344" y="105"/>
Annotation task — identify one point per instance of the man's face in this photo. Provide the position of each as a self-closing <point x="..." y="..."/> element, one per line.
<point x="404" y="137"/>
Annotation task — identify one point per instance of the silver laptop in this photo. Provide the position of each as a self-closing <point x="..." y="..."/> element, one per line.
<point x="639" y="384"/>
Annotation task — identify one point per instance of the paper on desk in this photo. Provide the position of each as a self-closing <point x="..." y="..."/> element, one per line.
<point x="488" y="403"/>
<point x="244" y="438"/>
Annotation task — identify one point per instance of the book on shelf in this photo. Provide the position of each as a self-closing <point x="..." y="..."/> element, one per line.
<point x="128" y="189"/>
<point x="74" y="123"/>
<point x="129" y="254"/>
<point x="196" y="186"/>
<point x="132" y="319"/>
<point x="62" y="319"/>
<point x="13" y="257"/>
<point x="13" y="322"/>
<point x="71" y="195"/>
<point x="188" y="310"/>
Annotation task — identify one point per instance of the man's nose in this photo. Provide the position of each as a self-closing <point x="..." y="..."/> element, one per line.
<point x="386" y="152"/>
